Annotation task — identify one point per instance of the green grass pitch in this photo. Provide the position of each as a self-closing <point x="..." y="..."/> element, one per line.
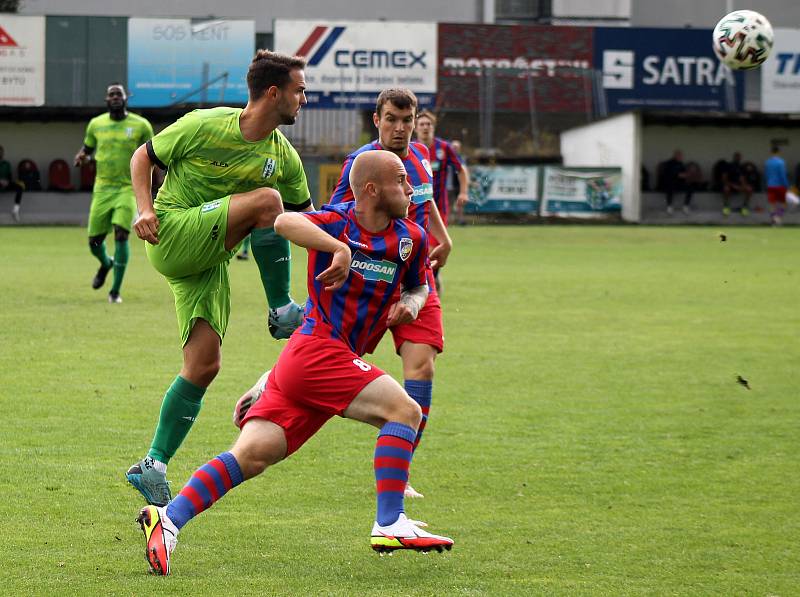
<point x="587" y="437"/>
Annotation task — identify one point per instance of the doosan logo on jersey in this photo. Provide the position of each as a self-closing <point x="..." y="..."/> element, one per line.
<point x="423" y="189"/>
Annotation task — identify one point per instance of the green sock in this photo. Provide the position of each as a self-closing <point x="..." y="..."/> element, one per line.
<point x="121" y="253"/>
<point x="271" y="253"/>
<point x="179" y="410"/>
<point x="99" y="251"/>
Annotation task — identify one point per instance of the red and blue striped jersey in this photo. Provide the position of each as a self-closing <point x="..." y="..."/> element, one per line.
<point x="419" y="173"/>
<point x="442" y="158"/>
<point x="381" y="263"/>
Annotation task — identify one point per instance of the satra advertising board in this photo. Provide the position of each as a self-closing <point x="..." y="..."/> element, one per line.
<point x="349" y="63"/>
<point x="664" y="69"/>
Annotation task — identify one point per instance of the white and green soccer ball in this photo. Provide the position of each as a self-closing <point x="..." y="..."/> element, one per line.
<point x="743" y="39"/>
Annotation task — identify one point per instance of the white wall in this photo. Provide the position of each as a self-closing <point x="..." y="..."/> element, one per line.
<point x="264" y="11"/>
<point x="613" y="142"/>
<point x="706" y="13"/>
<point x="598" y="8"/>
<point x="707" y="144"/>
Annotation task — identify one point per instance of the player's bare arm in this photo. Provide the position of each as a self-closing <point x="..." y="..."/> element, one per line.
<point x="296" y="228"/>
<point x="463" y="186"/>
<point x="146" y="225"/>
<point x="440" y="252"/>
<point x="408" y="307"/>
<point x="83" y="155"/>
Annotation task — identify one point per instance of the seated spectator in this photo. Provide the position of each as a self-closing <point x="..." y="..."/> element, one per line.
<point x="717" y="169"/>
<point x="674" y="180"/>
<point x="29" y="175"/>
<point x="9" y="185"/>
<point x="734" y="181"/>
<point x="694" y="177"/>
<point x="752" y="176"/>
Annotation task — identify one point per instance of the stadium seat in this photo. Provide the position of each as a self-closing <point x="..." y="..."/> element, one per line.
<point x="28" y="174"/>
<point x="88" y="172"/>
<point x="59" y="176"/>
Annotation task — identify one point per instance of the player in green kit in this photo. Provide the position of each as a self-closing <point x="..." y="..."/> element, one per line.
<point x="230" y="173"/>
<point x="112" y="137"/>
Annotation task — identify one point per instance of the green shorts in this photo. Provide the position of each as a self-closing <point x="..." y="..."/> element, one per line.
<point x="191" y="255"/>
<point x="111" y="207"/>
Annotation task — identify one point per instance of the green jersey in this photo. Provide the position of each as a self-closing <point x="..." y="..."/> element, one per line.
<point x="114" y="142"/>
<point x="207" y="158"/>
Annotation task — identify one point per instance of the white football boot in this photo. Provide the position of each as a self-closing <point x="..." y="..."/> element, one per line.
<point x="405" y="534"/>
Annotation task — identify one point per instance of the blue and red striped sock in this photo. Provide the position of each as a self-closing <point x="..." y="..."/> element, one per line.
<point x="421" y="392"/>
<point x="207" y="485"/>
<point x="393" y="452"/>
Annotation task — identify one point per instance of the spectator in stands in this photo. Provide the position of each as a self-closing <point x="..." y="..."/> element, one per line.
<point x="777" y="179"/>
<point x="9" y="185"/>
<point x="752" y="176"/>
<point x="716" y="175"/>
<point x="734" y="181"/>
<point x="674" y="180"/>
<point x="695" y="181"/>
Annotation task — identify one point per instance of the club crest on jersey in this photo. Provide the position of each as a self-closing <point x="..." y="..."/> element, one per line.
<point x="372" y="269"/>
<point x="406" y="244"/>
<point x="427" y="165"/>
<point x="269" y="168"/>
<point x="440" y="154"/>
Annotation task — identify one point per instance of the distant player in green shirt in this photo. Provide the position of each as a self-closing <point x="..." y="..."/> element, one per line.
<point x="230" y="173"/>
<point x="113" y="138"/>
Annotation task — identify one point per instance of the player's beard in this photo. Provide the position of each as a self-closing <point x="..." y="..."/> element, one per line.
<point x="286" y="116"/>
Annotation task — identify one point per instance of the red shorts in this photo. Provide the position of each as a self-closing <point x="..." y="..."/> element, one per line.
<point x="314" y="379"/>
<point x="776" y="194"/>
<point x="427" y="328"/>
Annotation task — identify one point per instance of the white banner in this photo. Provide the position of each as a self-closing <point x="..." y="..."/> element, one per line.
<point x="21" y="60"/>
<point x="351" y="62"/>
<point x="581" y="192"/>
<point x="780" y="74"/>
<point x="503" y="189"/>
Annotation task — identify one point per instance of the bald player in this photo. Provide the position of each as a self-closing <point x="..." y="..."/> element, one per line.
<point x="360" y="253"/>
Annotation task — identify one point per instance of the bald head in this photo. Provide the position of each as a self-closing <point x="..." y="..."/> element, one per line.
<point x="375" y="167"/>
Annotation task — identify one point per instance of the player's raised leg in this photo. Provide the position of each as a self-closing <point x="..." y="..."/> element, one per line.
<point x="384" y="404"/>
<point x="254" y="214"/>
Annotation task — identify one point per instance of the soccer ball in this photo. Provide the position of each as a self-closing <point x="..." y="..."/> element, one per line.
<point x="743" y="39"/>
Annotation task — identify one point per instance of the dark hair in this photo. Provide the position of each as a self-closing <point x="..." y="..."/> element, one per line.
<point x="400" y="97"/>
<point x="270" y="69"/>
<point x="427" y="114"/>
